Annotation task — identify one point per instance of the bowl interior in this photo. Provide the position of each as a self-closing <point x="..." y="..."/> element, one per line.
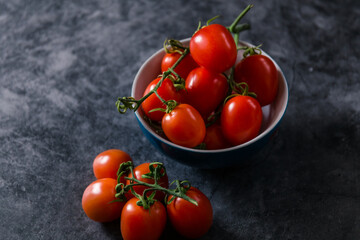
<point x="272" y="113"/>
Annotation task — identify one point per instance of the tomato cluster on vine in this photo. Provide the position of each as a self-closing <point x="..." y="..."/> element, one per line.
<point x="204" y="98"/>
<point x="140" y="196"/>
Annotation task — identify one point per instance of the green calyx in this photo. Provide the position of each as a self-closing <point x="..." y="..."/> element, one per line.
<point x="172" y="45"/>
<point x="250" y="51"/>
<point x="170" y="105"/>
<point x="180" y="191"/>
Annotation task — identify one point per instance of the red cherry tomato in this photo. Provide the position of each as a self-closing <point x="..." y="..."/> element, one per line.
<point x="138" y="223"/>
<point x="183" y="68"/>
<point x="96" y="201"/>
<point x="241" y="119"/>
<point x="107" y="163"/>
<point x="261" y="75"/>
<point x="214" y="138"/>
<point x="188" y="219"/>
<point x="205" y="90"/>
<point x="167" y="91"/>
<point x="214" y="48"/>
<point x="144" y="169"/>
<point x="184" y="126"/>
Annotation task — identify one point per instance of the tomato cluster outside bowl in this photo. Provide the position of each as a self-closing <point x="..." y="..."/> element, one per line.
<point x="237" y="155"/>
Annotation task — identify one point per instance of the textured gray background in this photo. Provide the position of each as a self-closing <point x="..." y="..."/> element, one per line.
<point x="63" y="63"/>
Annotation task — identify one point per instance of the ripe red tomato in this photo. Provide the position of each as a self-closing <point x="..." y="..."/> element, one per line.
<point x="188" y="219"/>
<point x="167" y="91"/>
<point x="261" y="75"/>
<point x="96" y="201"/>
<point x="214" y="48"/>
<point x="241" y="119"/>
<point x="183" y="68"/>
<point x="139" y="223"/>
<point x="205" y="90"/>
<point x="107" y="163"/>
<point x="184" y="126"/>
<point x="144" y="169"/>
<point x="214" y="138"/>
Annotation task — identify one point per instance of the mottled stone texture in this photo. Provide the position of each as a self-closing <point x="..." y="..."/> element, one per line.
<point x="63" y="63"/>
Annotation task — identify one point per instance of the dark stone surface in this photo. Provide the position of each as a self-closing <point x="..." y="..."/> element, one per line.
<point x="63" y="64"/>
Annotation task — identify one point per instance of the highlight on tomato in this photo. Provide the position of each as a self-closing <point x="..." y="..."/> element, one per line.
<point x="98" y="201"/>
<point x="137" y="222"/>
<point x="205" y="90"/>
<point x="106" y="164"/>
<point x="190" y="220"/>
<point x="214" y="48"/>
<point x="241" y="119"/>
<point x="184" y="126"/>
<point x="261" y="75"/>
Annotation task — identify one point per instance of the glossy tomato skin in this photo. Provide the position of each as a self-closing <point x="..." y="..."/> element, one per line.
<point x="167" y="91"/>
<point x="214" y="138"/>
<point x="183" y="68"/>
<point x="241" y="119"/>
<point x="261" y="75"/>
<point x="138" y="223"/>
<point x="184" y="126"/>
<point x="96" y="201"/>
<point x="144" y="169"/>
<point x="189" y="220"/>
<point x="106" y="164"/>
<point x="214" y="48"/>
<point x="205" y="90"/>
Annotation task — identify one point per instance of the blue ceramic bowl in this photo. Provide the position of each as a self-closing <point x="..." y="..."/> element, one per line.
<point x="272" y="115"/>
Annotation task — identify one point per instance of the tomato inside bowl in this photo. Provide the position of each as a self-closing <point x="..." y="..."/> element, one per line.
<point x="236" y="155"/>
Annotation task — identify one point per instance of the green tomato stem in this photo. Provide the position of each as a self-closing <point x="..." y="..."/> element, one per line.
<point x="157" y="187"/>
<point x="155" y="173"/>
<point x="125" y="103"/>
<point x="232" y="27"/>
<point x="235" y="29"/>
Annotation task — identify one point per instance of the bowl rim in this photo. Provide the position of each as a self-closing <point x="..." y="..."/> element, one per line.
<point x="261" y="135"/>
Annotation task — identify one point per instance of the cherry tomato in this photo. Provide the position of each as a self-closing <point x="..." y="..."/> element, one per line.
<point x="183" y="68"/>
<point x="138" y="223"/>
<point x="96" y="201"/>
<point x="167" y="91"/>
<point x="144" y="169"/>
<point x="261" y="75"/>
<point x="214" y="48"/>
<point x="214" y="138"/>
<point x="205" y="90"/>
<point x="107" y="163"/>
<point x="188" y="219"/>
<point x="184" y="126"/>
<point x="241" y="119"/>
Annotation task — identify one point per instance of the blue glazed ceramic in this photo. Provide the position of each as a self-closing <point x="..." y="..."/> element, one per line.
<point x="272" y="115"/>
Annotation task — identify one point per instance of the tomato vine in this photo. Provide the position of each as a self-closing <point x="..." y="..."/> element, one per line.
<point x="156" y="171"/>
<point x="125" y="103"/>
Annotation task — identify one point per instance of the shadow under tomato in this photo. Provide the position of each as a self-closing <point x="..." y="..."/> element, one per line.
<point x="170" y="233"/>
<point x="113" y="229"/>
<point x="114" y="232"/>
